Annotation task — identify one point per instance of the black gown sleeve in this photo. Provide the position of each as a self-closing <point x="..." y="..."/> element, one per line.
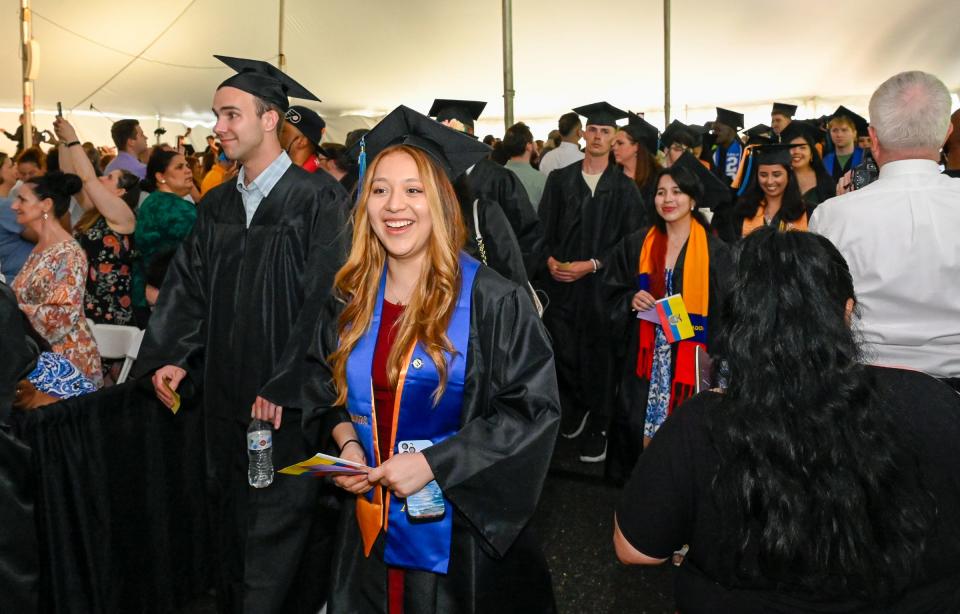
<point x="330" y="236"/>
<point x="502" y="251"/>
<point x="19" y="355"/>
<point x="549" y="212"/>
<point x="176" y="332"/>
<point x="505" y="188"/>
<point x="493" y="469"/>
<point x="619" y="280"/>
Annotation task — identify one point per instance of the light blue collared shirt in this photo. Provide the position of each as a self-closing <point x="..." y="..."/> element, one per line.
<point x="260" y="187"/>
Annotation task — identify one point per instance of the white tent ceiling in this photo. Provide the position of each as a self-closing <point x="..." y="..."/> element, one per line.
<point x="364" y="58"/>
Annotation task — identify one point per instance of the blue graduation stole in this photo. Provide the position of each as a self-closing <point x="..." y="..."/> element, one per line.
<point x="422" y="545"/>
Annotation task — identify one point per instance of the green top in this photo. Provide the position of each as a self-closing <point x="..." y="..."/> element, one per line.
<point x="163" y="221"/>
<point x="532" y="180"/>
<point x="843" y="159"/>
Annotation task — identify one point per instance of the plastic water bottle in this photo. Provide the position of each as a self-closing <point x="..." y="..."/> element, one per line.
<point x="260" y="453"/>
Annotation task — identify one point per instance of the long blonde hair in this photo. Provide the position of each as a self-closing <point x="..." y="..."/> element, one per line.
<point x="434" y="297"/>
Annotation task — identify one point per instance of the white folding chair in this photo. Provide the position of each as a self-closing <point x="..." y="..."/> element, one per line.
<point x="115" y="341"/>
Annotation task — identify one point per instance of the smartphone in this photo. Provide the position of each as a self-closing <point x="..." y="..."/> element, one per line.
<point x="427" y="503"/>
<point x="59" y="110"/>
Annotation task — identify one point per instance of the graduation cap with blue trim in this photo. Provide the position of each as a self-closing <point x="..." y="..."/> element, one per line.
<point x="643" y="132"/>
<point x="464" y="111"/>
<point x="600" y="114"/>
<point x="451" y="149"/>
<point x="264" y="81"/>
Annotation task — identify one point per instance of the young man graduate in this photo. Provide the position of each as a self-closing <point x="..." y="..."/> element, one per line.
<point x="587" y="208"/>
<point x="238" y="301"/>
<point x="781" y="116"/>
<point x="728" y="150"/>
<point x="488" y="180"/>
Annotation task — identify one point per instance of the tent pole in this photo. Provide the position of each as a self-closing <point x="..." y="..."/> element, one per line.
<point x="26" y="35"/>
<point x="666" y="62"/>
<point x="281" y="59"/>
<point x="508" y="91"/>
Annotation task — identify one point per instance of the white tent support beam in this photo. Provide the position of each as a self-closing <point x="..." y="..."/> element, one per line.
<point x="666" y="63"/>
<point x="508" y="92"/>
<point x="281" y="58"/>
<point x="26" y="35"/>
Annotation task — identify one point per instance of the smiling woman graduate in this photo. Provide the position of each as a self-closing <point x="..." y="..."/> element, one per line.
<point x="423" y="347"/>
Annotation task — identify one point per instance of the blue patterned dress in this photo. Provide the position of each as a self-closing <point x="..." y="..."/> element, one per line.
<point x="661" y="374"/>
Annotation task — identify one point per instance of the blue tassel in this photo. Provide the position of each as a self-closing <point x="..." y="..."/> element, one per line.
<point x="362" y="164"/>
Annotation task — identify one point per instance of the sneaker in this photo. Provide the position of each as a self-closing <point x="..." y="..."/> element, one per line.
<point x="572" y="424"/>
<point x="593" y="449"/>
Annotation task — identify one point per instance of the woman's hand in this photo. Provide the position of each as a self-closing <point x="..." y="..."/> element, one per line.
<point x="642" y="301"/>
<point x="404" y="474"/>
<point x="65" y="132"/>
<point x="354" y="484"/>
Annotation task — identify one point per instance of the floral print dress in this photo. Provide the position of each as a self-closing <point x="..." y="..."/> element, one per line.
<point x="661" y="374"/>
<point x="50" y="289"/>
<point x="110" y="257"/>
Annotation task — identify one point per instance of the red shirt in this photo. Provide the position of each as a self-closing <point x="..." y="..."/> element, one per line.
<point x="384" y="395"/>
<point x="312" y="164"/>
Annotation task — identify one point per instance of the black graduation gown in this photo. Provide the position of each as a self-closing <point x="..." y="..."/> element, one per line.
<point x="502" y="250"/>
<point x="490" y="181"/>
<point x="492" y="470"/>
<point x="236" y="308"/>
<point x="625" y="440"/>
<point x="578" y="226"/>
<point x="19" y="553"/>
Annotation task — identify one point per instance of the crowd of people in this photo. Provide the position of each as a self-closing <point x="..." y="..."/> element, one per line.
<point x="758" y="334"/>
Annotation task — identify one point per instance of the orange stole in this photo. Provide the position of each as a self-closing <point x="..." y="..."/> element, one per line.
<point x="758" y="221"/>
<point x="372" y="515"/>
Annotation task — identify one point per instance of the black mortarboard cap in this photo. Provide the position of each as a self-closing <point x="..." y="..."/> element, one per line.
<point x="777" y="153"/>
<point x="464" y="111"/>
<point x="453" y="150"/>
<point x="601" y="114"/>
<point x="800" y="128"/>
<point x="643" y="132"/>
<point x="715" y="191"/>
<point x="730" y="118"/>
<point x="677" y="131"/>
<point x="264" y="81"/>
<point x="761" y="134"/>
<point x="784" y="109"/>
<point x="859" y="122"/>
<point x="308" y="122"/>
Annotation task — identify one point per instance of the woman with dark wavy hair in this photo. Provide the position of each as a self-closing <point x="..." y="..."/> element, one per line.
<point x="772" y="197"/>
<point x="678" y="254"/>
<point x="813" y="482"/>
<point x="815" y="183"/>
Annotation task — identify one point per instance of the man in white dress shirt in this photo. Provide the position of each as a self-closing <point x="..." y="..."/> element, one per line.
<point x="568" y="152"/>
<point x="899" y="234"/>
